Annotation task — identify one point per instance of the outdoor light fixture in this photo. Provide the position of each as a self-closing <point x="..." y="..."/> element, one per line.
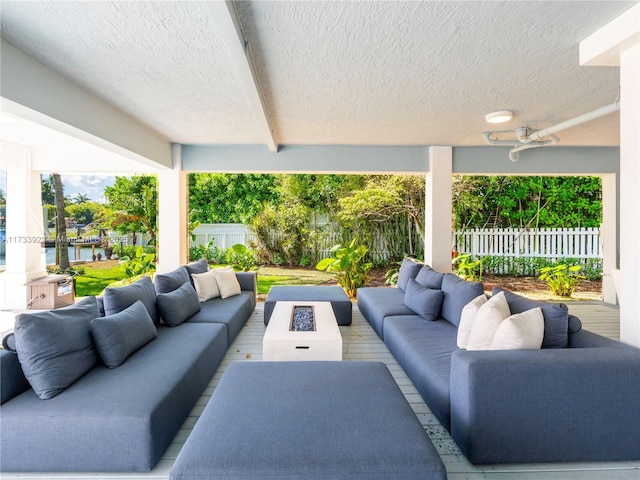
<point x="499" y="117"/>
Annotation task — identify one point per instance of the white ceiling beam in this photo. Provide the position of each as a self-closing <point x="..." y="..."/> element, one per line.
<point x="225" y="16"/>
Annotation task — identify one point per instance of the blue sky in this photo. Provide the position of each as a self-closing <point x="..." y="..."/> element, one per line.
<point x="89" y="185"/>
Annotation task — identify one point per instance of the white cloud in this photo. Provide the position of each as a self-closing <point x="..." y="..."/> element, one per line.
<point x="90" y="185"/>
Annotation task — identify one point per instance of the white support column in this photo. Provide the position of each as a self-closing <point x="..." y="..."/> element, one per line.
<point x="25" y="228"/>
<point x="630" y="196"/>
<point x="618" y="44"/>
<point x="608" y="237"/>
<point x="173" y="241"/>
<point x="438" y="221"/>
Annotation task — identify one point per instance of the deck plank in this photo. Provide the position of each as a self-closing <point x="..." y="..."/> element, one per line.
<point x="360" y="342"/>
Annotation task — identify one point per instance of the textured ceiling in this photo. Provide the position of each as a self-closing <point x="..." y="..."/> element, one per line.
<point x="390" y="73"/>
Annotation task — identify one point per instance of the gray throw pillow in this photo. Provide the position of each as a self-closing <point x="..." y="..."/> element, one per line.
<point x="55" y="347"/>
<point x="118" y="336"/>
<point x="117" y="299"/>
<point x="9" y="343"/>
<point x="426" y="302"/>
<point x="429" y="278"/>
<point x="408" y="269"/>
<point x="200" y="266"/>
<point x="168" y="282"/>
<point x="457" y="293"/>
<point x="177" y="306"/>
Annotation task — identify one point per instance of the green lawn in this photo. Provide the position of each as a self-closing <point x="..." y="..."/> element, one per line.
<point x="98" y="275"/>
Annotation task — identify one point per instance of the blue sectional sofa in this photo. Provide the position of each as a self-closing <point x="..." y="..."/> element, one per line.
<point x="575" y="399"/>
<point x="70" y="412"/>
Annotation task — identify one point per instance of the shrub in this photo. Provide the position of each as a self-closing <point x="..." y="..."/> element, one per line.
<point x="139" y="264"/>
<point x="349" y="265"/>
<point x="467" y="268"/>
<point x="241" y="257"/>
<point x="562" y="279"/>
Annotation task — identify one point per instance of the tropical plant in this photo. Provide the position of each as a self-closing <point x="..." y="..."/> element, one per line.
<point x="467" y="268"/>
<point x="139" y="264"/>
<point x="561" y="279"/>
<point x="348" y="263"/>
<point x="241" y="258"/>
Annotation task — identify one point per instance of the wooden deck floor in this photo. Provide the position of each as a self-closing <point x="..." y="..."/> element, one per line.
<point x="360" y="342"/>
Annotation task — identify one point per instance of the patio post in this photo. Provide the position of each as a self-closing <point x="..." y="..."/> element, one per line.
<point x="438" y="221"/>
<point x="618" y="44"/>
<point x="609" y="237"/>
<point x="25" y="230"/>
<point x="173" y="199"/>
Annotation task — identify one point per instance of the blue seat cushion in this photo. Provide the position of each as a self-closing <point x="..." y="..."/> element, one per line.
<point x="232" y="312"/>
<point x="376" y="303"/>
<point x="424" y="350"/>
<point x="308" y="420"/>
<point x="119" y="420"/>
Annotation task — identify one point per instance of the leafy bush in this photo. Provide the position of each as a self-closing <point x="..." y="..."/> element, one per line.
<point x="241" y="257"/>
<point x="139" y="264"/>
<point x="349" y="265"/>
<point x="467" y="268"/>
<point x="562" y="279"/>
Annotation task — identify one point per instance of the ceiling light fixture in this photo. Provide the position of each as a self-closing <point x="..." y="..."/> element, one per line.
<point x="499" y="117"/>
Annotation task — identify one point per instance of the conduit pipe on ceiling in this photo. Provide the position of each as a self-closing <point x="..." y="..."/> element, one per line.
<point x="533" y="140"/>
<point x="587" y="117"/>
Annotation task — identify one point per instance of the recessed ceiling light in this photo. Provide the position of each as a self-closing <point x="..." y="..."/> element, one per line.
<point x="499" y="117"/>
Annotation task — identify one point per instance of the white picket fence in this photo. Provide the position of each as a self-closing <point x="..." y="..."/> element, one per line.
<point x="551" y="243"/>
<point x="224" y="235"/>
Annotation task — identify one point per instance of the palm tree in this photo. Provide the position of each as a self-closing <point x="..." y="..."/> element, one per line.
<point x="48" y="190"/>
<point x="81" y="198"/>
<point x="62" y="252"/>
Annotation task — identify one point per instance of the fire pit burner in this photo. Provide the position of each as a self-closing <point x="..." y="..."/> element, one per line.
<point x="302" y="319"/>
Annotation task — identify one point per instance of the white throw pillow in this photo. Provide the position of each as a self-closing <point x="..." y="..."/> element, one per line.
<point x="206" y="285"/>
<point x="466" y="319"/>
<point x="486" y="322"/>
<point x="523" y="330"/>
<point x="227" y="282"/>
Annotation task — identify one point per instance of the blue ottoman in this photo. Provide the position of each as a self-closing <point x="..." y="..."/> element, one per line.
<point x="339" y="300"/>
<point x="308" y="420"/>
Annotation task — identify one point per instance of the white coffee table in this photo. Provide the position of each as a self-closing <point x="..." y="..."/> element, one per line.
<point x="282" y="344"/>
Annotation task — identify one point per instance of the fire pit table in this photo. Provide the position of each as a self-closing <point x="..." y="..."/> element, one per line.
<point x="339" y="300"/>
<point x="311" y="421"/>
<point x="302" y="331"/>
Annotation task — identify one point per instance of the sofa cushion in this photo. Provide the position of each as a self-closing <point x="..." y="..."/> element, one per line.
<point x="177" y="306"/>
<point x="428" y="277"/>
<point x="233" y="312"/>
<point x="377" y="303"/>
<point x="200" y="266"/>
<point x="574" y="324"/>
<point x="408" y="269"/>
<point x="206" y="285"/>
<point x="119" y="335"/>
<point x="168" y="282"/>
<point x="486" y="322"/>
<point x="55" y="347"/>
<point x="520" y="331"/>
<point x="116" y="299"/>
<point x="426" y="302"/>
<point x="556" y="317"/>
<point x="457" y="293"/>
<point x="227" y="282"/>
<point x="466" y="319"/>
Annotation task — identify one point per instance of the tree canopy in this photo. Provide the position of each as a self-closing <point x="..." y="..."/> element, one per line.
<point x="133" y="202"/>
